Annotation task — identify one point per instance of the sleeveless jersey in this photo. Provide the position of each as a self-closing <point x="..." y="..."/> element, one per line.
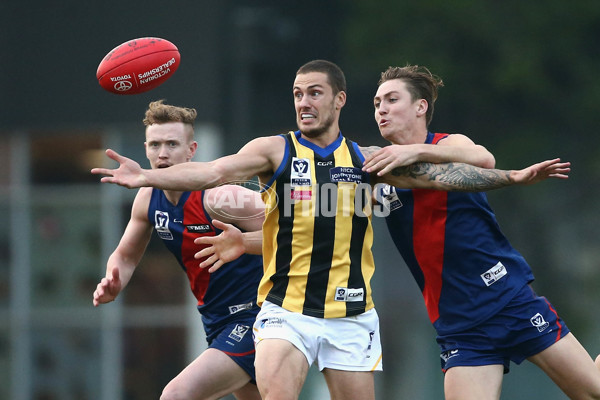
<point x="228" y="292"/>
<point x="317" y="232"/>
<point x="464" y="265"/>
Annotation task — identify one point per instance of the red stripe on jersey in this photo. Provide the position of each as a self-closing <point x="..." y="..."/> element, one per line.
<point x="438" y="136"/>
<point x="199" y="277"/>
<point x="247" y="353"/>
<point x="558" y="325"/>
<point x="429" y="232"/>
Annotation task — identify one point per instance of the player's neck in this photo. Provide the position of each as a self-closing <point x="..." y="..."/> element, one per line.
<point x="324" y="139"/>
<point x="416" y="136"/>
<point x="173" y="196"/>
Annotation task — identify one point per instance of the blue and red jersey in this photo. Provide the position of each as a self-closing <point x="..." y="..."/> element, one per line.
<point x="227" y="293"/>
<point x="464" y="265"/>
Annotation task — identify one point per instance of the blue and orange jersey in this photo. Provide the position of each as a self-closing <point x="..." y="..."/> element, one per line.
<point x="464" y="265"/>
<point x="230" y="290"/>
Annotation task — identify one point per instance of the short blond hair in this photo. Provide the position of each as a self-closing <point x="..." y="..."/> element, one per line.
<point x="160" y="113"/>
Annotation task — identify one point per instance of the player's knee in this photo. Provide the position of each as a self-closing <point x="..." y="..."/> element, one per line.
<point x="598" y="361"/>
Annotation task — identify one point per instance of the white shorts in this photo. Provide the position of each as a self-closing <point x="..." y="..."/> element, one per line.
<point x="347" y="344"/>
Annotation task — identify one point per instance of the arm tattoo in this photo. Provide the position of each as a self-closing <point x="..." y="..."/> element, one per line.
<point x="367" y="151"/>
<point x="457" y="176"/>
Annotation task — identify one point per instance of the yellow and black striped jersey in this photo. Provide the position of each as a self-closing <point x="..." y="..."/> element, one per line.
<point x="317" y="234"/>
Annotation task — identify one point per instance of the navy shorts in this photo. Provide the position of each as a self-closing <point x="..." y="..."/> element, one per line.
<point x="235" y="340"/>
<point x="527" y="325"/>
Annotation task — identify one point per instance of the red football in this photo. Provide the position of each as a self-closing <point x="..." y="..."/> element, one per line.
<point x="138" y="65"/>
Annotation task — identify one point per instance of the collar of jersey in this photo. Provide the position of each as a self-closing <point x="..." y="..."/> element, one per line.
<point x="322" y="151"/>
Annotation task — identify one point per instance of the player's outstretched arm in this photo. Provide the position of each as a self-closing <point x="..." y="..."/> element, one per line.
<point x="125" y="258"/>
<point x="128" y="174"/>
<point x="255" y="158"/>
<point x="541" y="171"/>
<point x="453" y="148"/>
<point x="108" y="288"/>
<point x="464" y="177"/>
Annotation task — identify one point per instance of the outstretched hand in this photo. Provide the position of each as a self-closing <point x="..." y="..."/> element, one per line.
<point x="108" y="288"/>
<point x="128" y="174"/>
<point x="540" y="171"/>
<point x="389" y="157"/>
<point x="223" y="248"/>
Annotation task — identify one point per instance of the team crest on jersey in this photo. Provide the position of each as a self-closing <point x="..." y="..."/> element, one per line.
<point x="239" y="332"/>
<point x="388" y="197"/>
<point x="301" y="174"/>
<point x="161" y="224"/>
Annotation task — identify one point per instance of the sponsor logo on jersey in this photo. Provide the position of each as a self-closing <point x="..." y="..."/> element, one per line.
<point x="370" y="346"/>
<point x="346" y="174"/>
<point x="349" y="295"/>
<point x="274" y="322"/>
<point x="539" y="322"/>
<point x="239" y="307"/>
<point x="300" y="194"/>
<point x="324" y="163"/>
<point x="446" y="355"/>
<point x="199" y="228"/>
<point x="494" y="274"/>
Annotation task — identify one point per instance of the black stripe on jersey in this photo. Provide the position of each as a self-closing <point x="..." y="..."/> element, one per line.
<point x="359" y="227"/>
<point x="283" y="256"/>
<point x="356" y="160"/>
<point x="323" y="238"/>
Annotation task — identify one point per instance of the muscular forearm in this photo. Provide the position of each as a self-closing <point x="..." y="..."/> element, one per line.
<point x="183" y="177"/>
<point x="474" y="155"/>
<point x="252" y="242"/>
<point x="450" y="176"/>
<point x="125" y="267"/>
<point x="464" y="177"/>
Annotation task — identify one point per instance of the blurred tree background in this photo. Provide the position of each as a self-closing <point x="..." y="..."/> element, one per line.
<point x="521" y="78"/>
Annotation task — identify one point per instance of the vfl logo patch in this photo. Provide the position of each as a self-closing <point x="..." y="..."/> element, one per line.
<point x="300" y="175"/>
<point x="539" y="322"/>
<point x="493" y="274"/>
<point x="346" y="294"/>
<point x="388" y="197"/>
<point x="161" y="224"/>
<point x="199" y="228"/>
<point x="238" y="332"/>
